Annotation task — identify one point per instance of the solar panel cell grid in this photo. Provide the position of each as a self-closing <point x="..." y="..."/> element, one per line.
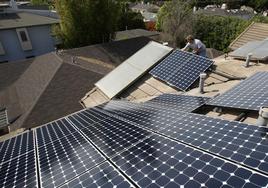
<point x="110" y="135"/>
<point x="53" y="131"/>
<point x="103" y="175"/>
<point x="250" y="94"/>
<point x="182" y="102"/>
<point x="160" y="162"/>
<point x="181" y="69"/>
<point x="16" y="146"/>
<point x="19" y="172"/>
<point x="238" y="142"/>
<point x="65" y="159"/>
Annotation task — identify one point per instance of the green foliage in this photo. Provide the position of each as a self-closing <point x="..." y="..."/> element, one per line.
<point x="162" y="13"/>
<point x="258" y="5"/>
<point x="261" y="19"/>
<point x="175" y="19"/>
<point x="87" y="22"/>
<point x="42" y="2"/>
<point x="218" y="32"/>
<point x="129" y="19"/>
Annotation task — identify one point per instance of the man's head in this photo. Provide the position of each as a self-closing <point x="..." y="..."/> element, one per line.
<point x="190" y="38"/>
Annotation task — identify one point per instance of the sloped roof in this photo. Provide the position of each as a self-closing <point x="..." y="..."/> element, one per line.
<point x="133" y="33"/>
<point x="23" y="19"/>
<point x="131" y="69"/>
<point x="254" y="32"/>
<point x="50" y="86"/>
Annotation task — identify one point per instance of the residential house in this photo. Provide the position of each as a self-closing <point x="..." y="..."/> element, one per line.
<point x="24" y="35"/>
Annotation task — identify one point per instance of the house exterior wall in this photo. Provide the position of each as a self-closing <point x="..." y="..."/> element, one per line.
<point x="40" y="37"/>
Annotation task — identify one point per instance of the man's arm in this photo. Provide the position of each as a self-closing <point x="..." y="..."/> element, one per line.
<point x="186" y="47"/>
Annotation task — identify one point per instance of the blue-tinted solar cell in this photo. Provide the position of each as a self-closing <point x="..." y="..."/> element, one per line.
<point x="181" y="69"/>
<point x="160" y="162"/>
<point x="54" y="131"/>
<point x="138" y="113"/>
<point x="246" y="144"/>
<point x="181" y="102"/>
<point x="16" y="146"/>
<point x="110" y="135"/>
<point x="19" y="172"/>
<point x="250" y="94"/>
<point x="66" y="158"/>
<point x="103" y="175"/>
<point x="93" y="117"/>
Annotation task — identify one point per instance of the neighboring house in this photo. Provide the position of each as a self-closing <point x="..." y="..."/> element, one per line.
<point x="143" y="7"/>
<point x="254" y="32"/>
<point x="24" y="35"/>
<point x="133" y="33"/>
<point x="47" y="87"/>
<point x="243" y="14"/>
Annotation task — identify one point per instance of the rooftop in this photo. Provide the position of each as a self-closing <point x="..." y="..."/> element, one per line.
<point x="133" y="33"/>
<point x="254" y="32"/>
<point x="53" y="81"/>
<point x="23" y="19"/>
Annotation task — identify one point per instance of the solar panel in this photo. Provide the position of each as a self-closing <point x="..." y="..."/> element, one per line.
<point x="131" y="69"/>
<point x="183" y="102"/>
<point x="16" y="146"/>
<point x="110" y="135"/>
<point x="103" y="175"/>
<point x="250" y="94"/>
<point x="160" y="162"/>
<point x="181" y="69"/>
<point x="258" y="49"/>
<point x="19" y="171"/>
<point x="53" y="131"/>
<point x="65" y="158"/>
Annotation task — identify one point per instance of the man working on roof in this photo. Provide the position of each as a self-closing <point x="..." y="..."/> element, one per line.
<point x="196" y="45"/>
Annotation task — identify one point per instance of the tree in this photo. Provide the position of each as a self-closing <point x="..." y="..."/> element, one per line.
<point x="86" y="22"/>
<point x="175" y="19"/>
<point x="218" y="31"/>
<point x="129" y="19"/>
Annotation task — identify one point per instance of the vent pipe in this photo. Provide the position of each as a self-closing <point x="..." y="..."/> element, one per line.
<point x="13" y="5"/>
<point x="248" y="60"/>
<point x="263" y="117"/>
<point x="202" y="82"/>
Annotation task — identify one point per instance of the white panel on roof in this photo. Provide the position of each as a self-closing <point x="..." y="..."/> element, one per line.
<point x="258" y="49"/>
<point x="131" y="69"/>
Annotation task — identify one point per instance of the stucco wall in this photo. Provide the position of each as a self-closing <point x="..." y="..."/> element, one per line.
<point x="40" y="37"/>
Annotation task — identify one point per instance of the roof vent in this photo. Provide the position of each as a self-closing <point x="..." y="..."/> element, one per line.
<point x="263" y="117"/>
<point x="13" y="4"/>
<point x="248" y="59"/>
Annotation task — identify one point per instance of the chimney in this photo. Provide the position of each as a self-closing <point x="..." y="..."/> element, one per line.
<point x="13" y="5"/>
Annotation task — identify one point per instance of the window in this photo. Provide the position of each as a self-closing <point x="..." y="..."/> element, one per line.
<point x="23" y="36"/>
<point x="24" y="39"/>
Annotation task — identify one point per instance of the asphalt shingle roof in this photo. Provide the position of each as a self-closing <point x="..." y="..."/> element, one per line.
<point x="23" y="19"/>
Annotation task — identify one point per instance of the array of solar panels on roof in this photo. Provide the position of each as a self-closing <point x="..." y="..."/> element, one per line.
<point x="257" y="49"/>
<point x="124" y="144"/>
<point x="250" y="94"/>
<point x="181" y="69"/>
